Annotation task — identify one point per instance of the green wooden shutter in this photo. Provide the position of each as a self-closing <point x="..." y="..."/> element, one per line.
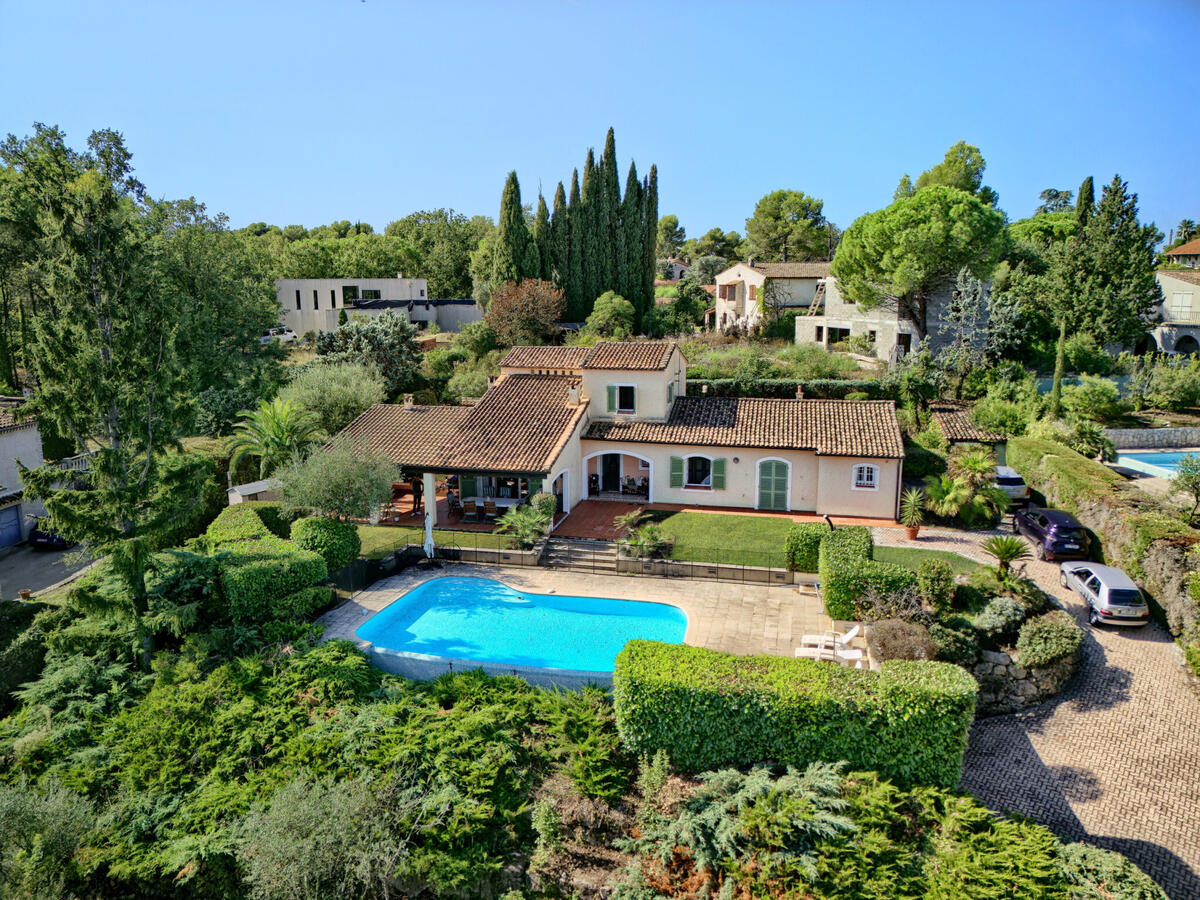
<point x="612" y="398"/>
<point x="670" y="391"/>
<point x="766" y="485"/>
<point x="467" y="483"/>
<point x="718" y="474"/>
<point x="676" y="471"/>
<point x="535" y="486"/>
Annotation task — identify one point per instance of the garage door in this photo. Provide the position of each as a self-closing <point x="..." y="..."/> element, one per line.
<point x="10" y="526"/>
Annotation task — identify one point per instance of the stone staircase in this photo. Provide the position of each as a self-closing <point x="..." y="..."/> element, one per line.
<point x="580" y="554"/>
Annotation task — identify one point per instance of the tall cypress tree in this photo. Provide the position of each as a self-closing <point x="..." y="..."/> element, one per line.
<point x="559" y="237"/>
<point x="1086" y="202"/>
<point x="649" y="237"/>
<point x="631" y="241"/>
<point x="610" y="234"/>
<point x="512" y="235"/>
<point x="541" y="240"/>
<point x="591" y="220"/>
<point x="575" y="228"/>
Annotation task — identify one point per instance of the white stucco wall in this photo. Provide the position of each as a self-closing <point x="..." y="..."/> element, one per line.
<point x="651" y="388"/>
<point x="24" y="444"/>
<point x="320" y="298"/>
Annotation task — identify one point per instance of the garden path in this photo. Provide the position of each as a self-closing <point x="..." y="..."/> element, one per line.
<point x="1115" y="759"/>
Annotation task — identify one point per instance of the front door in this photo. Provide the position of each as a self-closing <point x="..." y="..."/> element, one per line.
<point x="772" y="484"/>
<point x="610" y="469"/>
<point x="10" y="526"/>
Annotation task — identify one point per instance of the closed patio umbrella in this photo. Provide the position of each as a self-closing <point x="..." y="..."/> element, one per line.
<point x="429" y="535"/>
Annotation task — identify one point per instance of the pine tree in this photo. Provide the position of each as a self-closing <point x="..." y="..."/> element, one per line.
<point x="541" y="240"/>
<point x="575" y="228"/>
<point x="611" y="236"/>
<point x="649" y="238"/>
<point x="512" y="236"/>
<point x="631" y="243"/>
<point x="559" y="238"/>
<point x="590" y="221"/>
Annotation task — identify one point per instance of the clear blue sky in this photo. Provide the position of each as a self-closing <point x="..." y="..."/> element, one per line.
<point x="307" y="111"/>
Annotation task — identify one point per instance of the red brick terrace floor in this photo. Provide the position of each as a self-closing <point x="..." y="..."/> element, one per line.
<point x="594" y="518"/>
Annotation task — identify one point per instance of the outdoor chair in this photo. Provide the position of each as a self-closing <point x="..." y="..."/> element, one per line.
<point x="470" y="510"/>
<point x="833" y="639"/>
<point x="489" y="509"/>
<point x="854" y="658"/>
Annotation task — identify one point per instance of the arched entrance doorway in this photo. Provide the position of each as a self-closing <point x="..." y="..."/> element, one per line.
<point x="1187" y="345"/>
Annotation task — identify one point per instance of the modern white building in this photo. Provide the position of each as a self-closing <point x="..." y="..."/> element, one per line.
<point x="314" y="304"/>
<point x="19" y="441"/>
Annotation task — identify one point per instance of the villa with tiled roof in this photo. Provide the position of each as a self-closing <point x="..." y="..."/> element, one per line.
<point x="614" y="422"/>
<point x="740" y="289"/>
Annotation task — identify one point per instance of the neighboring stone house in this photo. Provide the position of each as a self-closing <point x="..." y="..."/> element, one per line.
<point x="19" y="441"/>
<point x="613" y="422"/>
<point x="1179" y="330"/>
<point x="314" y="304"/>
<point x="741" y="289"/>
<point x="1186" y="254"/>
<point x="675" y="268"/>
<point x="833" y="318"/>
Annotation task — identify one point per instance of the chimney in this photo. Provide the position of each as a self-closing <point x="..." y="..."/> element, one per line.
<point x="408" y="401"/>
<point x="799" y="392"/>
<point x="750" y="262"/>
<point x="573" y="395"/>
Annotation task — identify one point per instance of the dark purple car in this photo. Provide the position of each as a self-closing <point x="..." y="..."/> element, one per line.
<point x="1054" y="533"/>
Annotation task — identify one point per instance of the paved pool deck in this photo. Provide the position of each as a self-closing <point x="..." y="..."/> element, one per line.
<point x="732" y="617"/>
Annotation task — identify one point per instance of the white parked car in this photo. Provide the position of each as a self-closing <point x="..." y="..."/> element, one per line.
<point x="1012" y="484"/>
<point x="1111" y="595"/>
<point x="283" y="334"/>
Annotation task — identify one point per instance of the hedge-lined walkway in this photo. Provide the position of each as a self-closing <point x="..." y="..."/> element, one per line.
<point x="1115" y="759"/>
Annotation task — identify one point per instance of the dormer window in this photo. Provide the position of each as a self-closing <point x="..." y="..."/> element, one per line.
<point x="622" y="399"/>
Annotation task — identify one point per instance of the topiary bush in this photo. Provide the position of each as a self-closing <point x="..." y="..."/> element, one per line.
<point x="935" y="584"/>
<point x="273" y="515"/>
<point x="898" y="639"/>
<point x="1000" y="619"/>
<point x="954" y="641"/>
<point x="848" y="573"/>
<point x="336" y="541"/>
<point x="802" y="545"/>
<point x="1048" y="639"/>
<point x="708" y="709"/>
<point x="236" y="523"/>
<point x="259" y="577"/>
<point x="305" y="601"/>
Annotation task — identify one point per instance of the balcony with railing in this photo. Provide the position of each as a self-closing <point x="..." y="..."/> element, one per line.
<point x="1180" y="316"/>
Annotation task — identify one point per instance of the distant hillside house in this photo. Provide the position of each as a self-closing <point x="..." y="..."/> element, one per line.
<point x="1186" y="254"/>
<point x="313" y="304"/>
<point x="740" y="290"/>
<point x="676" y="268"/>
<point x="1179" y="328"/>
<point x="613" y="422"/>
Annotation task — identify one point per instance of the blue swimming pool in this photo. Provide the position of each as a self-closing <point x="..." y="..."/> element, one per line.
<point x="480" y="619"/>
<point x="1163" y="463"/>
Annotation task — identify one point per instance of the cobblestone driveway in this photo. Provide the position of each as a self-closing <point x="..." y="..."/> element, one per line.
<point x="1114" y="760"/>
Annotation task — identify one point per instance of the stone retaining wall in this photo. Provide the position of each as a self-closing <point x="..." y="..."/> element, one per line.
<point x="1006" y="686"/>
<point x="1153" y="438"/>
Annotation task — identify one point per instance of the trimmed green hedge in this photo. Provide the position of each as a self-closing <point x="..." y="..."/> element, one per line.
<point x="710" y="710"/>
<point x="236" y="523"/>
<point x="847" y="572"/>
<point x="1058" y="471"/>
<point x="802" y="545"/>
<point x="305" y="601"/>
<point x="277" y="520"/>
<point x="813" y="388"/>
<point x="1048" y="639"/>
<point x="337" y="542"/>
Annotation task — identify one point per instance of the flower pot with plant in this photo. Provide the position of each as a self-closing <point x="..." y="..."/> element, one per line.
<point x="912" y="512"/>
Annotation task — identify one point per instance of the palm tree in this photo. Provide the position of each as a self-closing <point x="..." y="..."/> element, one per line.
<point x="945" y="495"/>
<point x="277" y="432"/>
<point x="976" y="466"/>
<point x="1007" y="549"/>
<point x="1185" y="231"/>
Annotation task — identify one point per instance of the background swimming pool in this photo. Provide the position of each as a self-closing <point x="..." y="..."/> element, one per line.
<point x="1167" y="461"/>
<point x="484" y="620"/>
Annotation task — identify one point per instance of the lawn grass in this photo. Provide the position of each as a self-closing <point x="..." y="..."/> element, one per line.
<point x="716" y="538"/>
<point x="380" y="540"/>
<point x="910" y="558"/>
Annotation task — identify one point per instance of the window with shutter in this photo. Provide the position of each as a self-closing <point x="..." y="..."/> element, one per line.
<point x="676" y="471"/>
<point x="718" y="474"/>
<point x="612" y="398"/>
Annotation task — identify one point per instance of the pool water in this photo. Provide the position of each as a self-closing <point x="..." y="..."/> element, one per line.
<point x="1165" y="461"/>
<point x="487" y="621"/>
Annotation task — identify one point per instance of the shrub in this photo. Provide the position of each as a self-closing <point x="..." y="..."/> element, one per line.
<point x="304" y="601"/>
<point x="954" y="641"/>
<point x="1000" y="619"/>
<point x="847" y="572"/>
<point x="921" y="462"/>
<point x="526" y="524"/>
<point x="897" y="639"/>
<point x="259" y="577"/>
<point x="218" y="409"/>
<point x="336" y="393"/>
<point x="709" y="709"/>
<point x="546" y="504"/>
<point x="1094" y="399"/>
<point x="647" y="542"/>
<point x="935" y="583"/>
<point x="905" y="604"/>
<point x="343" y="479"/>
<point x="1048" y="639"/>
<point x="1105" y="874"/>
<point x="1059" y="472"/>
<point x="802" y="545"/>
<point x="236" y="523"/>
<point x="337" y="542"/>
<point x="467" y="383"/>
<point x="272" y="514"/>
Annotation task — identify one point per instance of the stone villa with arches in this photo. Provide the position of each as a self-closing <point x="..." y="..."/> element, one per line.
<point x="614" y="422"/>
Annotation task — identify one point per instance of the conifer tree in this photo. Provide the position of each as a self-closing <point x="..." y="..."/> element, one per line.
<point x="590" y="220"/>
<point x="611" y="237"/>
<point x="1086" y="202"/>
<point x="649" y="238"/>
<point x="559" y="238"/>
<point x="512" y="236"/>
<point x="575" y="229"/>
<point x="541" y="241"/>
<point x="631" y="243"/>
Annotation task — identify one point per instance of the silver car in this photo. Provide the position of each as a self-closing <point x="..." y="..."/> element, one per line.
<point x="1111" y="595"/>
<point x="1008" y="480"/>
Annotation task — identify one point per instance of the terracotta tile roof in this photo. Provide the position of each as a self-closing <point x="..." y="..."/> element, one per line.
<point x="519" y="425"/>
<point x="9" y="422"/>
<point x="525" y="357"/>
<point x="792" y="269"/>
<point x="1191" y="248"/>
<point x="1191" y="276"/>
<point x="830" y="427"/>
<point x="629" y="355"/>
<point x="412" y="436"/>
<point x="956" y="425"/>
